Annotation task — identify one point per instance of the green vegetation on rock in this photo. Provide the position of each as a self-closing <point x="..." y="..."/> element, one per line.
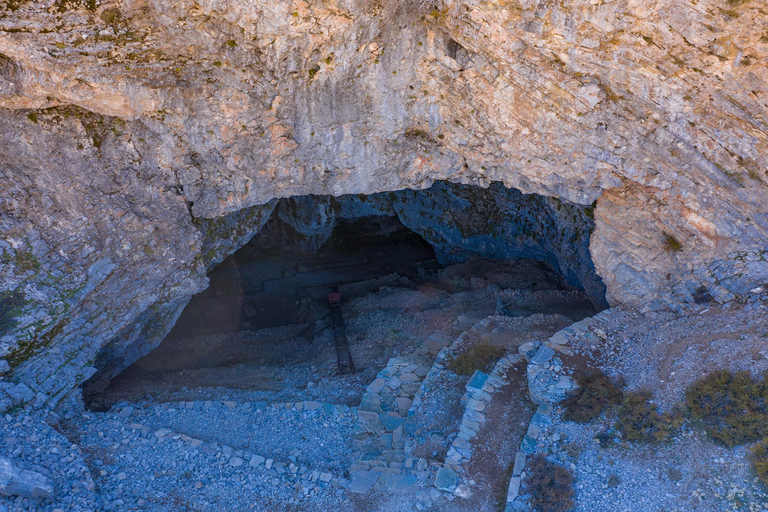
<point x="596" y="393"/>
<point x="479" y="357"/>
<point x="759" y="459"/>
<point x="671" y="243"/>
<point x="640" y="421"/>
<point x="636" y="418"/>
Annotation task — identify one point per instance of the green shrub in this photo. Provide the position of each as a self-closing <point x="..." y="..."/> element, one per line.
<point x="479" y="357"/>
<point x="639" y="421"/>
<point x="550" y="485"/>
<point x="595" y="394"/>
<point x="671" y="243"/>
<point x="759" y="459"/>
<point x="731" y="406"/>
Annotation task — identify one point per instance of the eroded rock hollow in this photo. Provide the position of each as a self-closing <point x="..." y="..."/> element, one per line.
<point x="143" y="142"/>
<point x="454" y="222"/>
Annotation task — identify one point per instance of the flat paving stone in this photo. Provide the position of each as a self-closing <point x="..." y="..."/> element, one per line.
<point x="543" y="355"/>
<point x="478" y="380"/>
<point x="390" y="423"/>
<point x="394" y="482"/>
<point x="362" y="481"/>
<point x="446" y="479"/>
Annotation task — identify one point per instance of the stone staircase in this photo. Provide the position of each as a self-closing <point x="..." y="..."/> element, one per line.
<point x="383" y="431"/>
<point x="548" y="384"/>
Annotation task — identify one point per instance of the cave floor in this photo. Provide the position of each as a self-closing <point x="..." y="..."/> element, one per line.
<point x="298" y="361"/>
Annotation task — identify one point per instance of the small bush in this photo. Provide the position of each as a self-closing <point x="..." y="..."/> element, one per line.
<point x="731" y="406"/>
<point x="479" y="357"/>
<point x="671" y="243"/>
<point x="759" y="459"/>
<point x="674" y="474"/>
<point x="550" y="485"/>
<point x="640" y="421"/>
<point x="111" y="16"/>
<point x="596" y="393"/>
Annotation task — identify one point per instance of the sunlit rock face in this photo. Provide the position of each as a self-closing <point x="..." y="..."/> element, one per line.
<point x="143" y="141"/>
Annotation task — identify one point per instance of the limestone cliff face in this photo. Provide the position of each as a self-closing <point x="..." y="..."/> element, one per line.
<point x="138" y="140"/>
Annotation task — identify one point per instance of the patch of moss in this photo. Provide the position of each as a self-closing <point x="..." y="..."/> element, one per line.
<point x="13" y="5"/>
<point x="111" y="16"/>
<point x="479" y="357"/>
<point x="732" y="406"/>
<point x="231" y="43"/>
<point x="671" y="243"/>
<point x="589" y="211"/>
<point x="25" y="261"/>
<point x="27" y="348"/>
<point x="32" y="116"/>
<point x="416" y="132"/>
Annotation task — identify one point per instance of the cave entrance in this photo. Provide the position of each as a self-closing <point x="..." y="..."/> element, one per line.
<point x="404" y="263"/>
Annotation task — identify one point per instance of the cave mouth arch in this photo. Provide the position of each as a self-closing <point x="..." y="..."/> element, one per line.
<point x="280" y="278"/>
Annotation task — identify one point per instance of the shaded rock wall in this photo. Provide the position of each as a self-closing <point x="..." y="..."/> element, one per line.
<point x="460" y="222"/>
<point x="124" y="123"/>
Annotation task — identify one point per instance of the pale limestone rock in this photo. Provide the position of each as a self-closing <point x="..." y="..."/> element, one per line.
<point x="161" y="137"/>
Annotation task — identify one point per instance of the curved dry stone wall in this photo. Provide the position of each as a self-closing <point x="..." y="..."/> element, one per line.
<point x="549" y="382"/>
<point x="124" y="123"/>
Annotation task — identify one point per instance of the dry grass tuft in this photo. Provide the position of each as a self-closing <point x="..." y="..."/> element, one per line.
<point x="550" y="485"/>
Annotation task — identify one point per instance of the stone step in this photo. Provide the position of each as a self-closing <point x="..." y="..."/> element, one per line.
<point x="382" y="425"/>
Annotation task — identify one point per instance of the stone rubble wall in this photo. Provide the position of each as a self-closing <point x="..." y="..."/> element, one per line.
<point x="480" y="390"/>
<point x="383" y="435"/>
<point x="548" y="384"/>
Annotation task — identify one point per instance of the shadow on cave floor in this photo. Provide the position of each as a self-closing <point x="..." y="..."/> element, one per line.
<point x="258" y="288"/>
<point x="384" y="317"/>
